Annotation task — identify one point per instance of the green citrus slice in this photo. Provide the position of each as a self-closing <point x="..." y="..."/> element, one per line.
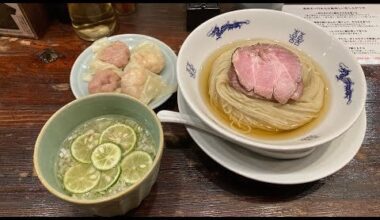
<point x="120" y="134"/>
<point x="135" y="165"/>
<point x="106" y="156"/>
<point x="107" y="179"/>
<point x="81" y="178"/>
<point x="83" y="145"/>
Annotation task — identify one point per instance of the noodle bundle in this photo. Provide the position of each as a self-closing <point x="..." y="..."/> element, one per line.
<point x="247" y="113"/>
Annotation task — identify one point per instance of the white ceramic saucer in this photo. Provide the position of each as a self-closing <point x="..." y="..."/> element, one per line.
<point x="324" y="161"/>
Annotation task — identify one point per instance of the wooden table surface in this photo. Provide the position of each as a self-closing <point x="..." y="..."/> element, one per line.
<point x="190" y="183"/>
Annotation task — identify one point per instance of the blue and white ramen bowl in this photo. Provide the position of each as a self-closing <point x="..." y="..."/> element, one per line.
<point x="344" y="75"/>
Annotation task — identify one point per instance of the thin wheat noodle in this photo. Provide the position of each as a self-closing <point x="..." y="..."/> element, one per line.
<point x="247" y="113"/>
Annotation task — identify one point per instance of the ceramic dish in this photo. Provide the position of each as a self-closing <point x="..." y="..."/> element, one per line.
<point x="324" y="161"/>
<point x="79" y="86"/>
<point x="61" y="124"/>
<point x="344" y="76"/>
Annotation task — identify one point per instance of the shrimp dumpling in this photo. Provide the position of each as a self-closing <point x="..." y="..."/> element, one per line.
<point x="113" y="55"/>
<point x="104" y="81"/>
<point x="116" y="53"/>
<point x="142" y="84"/>
<point x="148" y="55"/>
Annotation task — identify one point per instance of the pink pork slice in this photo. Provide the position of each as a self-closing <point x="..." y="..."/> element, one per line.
<point x="117" y="53"/>
<point x="267" y="71"/>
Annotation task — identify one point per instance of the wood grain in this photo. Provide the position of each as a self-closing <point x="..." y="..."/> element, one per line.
<point x="190" y="183"/>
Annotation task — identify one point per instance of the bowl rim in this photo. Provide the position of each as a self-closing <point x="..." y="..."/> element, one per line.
<point x="242" y="140"/>
<point x="84" y="52"/>
<point x="106" y="199"/>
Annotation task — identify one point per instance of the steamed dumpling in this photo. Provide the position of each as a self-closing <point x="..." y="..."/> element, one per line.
<point x="116" y="53"/>
<point x="148" y="55"/>
<point x="142" y="84"/>
<point x="104" y="81"/>
<point x="101" y="49"/>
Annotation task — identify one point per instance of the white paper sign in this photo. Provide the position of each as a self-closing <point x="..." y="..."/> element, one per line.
<point x="356" y="25"/>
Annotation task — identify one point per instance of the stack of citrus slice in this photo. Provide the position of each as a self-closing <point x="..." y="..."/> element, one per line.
<point x="101" y="162"/>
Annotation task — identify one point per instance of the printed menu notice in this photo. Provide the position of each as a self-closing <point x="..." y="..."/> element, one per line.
<point x="356" y="25"/>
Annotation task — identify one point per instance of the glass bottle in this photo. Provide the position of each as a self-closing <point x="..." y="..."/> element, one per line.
<point x="124" y="8"/>
<point x="92" y="21"/>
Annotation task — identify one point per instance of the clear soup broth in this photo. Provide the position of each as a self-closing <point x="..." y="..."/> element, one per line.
<point x="223" y="118"/>
<point x="113" y="180"/>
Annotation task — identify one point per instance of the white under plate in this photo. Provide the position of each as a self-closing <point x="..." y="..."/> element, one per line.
<point x="168" y="74"/>
<point x="324" y="161"/>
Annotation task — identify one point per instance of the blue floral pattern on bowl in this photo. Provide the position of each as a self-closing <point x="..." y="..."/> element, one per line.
<point x="191" y="70"/>
<point x="296" y="37"/>
<point x="218" y="31"/>
<point x="344" y="71"/>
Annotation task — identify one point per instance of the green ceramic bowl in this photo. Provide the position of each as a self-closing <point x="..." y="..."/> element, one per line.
<point x="62" y="122"/>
